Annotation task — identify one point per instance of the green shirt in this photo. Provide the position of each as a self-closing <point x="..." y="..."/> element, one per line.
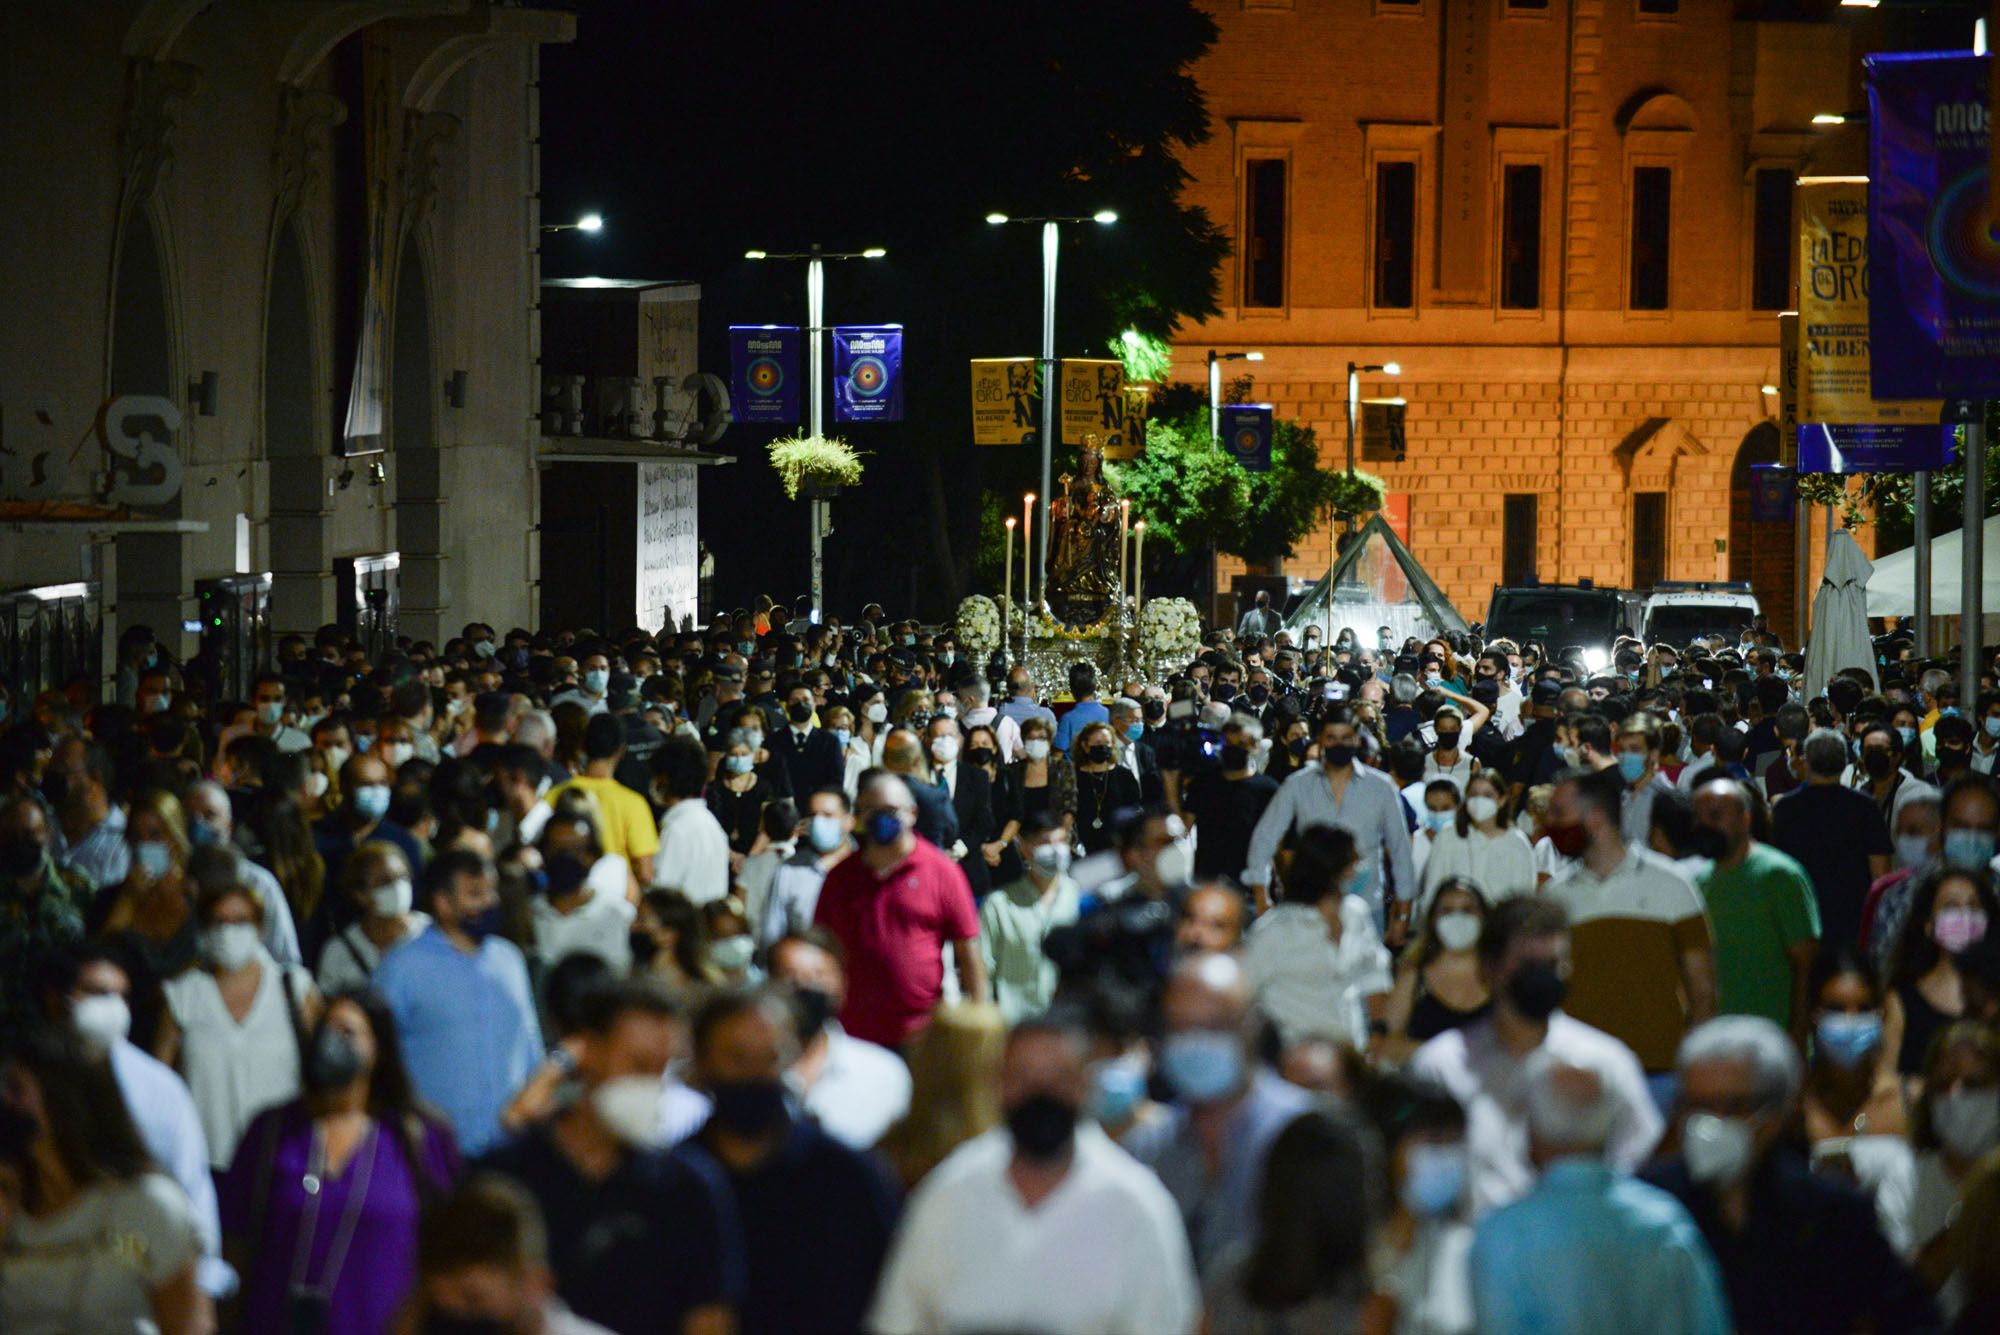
<point x="1757" y="910"/>
<point x="1013" y="923"/>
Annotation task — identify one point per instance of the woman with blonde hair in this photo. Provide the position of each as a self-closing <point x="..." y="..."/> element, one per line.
<point x="954" y="1089"/>
<point x="156" y="899"/>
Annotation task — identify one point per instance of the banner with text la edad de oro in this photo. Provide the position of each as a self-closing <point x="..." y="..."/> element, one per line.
<point x="1246" y="435"/>
<point x="1093" y="403"/>
<point x="1006" y="402"/>
<point x="764" y="363"/>
<point x="868" y="373"/>
<point x="1843" y="428"/>
<point x="1933" y="246"/>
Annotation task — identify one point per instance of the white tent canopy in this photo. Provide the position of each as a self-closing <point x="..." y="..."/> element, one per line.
<point x="1892" y="589"/>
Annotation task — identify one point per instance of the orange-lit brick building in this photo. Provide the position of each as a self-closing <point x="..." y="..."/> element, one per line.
<point x="1568" y="221"/>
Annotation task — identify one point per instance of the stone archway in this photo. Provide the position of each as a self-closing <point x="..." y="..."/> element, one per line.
<point x="1764" y="555"/>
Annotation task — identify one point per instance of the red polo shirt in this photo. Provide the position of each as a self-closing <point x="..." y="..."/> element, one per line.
<point x="894" y="928"/>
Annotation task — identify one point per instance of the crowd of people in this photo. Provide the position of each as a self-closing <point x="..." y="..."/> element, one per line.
<point x="797" y="975"/>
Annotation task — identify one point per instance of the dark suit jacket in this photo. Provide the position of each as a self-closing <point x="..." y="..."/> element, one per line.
<point x="936" y="821"/>
<point x="819" y="764"/>
<point x="1152" y="788"/>
<point x="973" y="805"/>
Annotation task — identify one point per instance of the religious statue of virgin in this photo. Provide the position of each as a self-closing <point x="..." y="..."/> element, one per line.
<point x="1083" y="543"/>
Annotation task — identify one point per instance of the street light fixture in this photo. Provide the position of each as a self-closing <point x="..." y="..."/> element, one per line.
<point x="1215" y="361"/>
<point x="1354" y="373"/>
<point x="589" y="223"/>
<point x="1050" y="223"/>
<point x="815" y="259"/>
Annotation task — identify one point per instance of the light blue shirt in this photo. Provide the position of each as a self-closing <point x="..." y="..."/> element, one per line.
<point x="1371" y="811"/>
<point x="1081" y="715"/>
<point x="470" y="1036"/>
<point x="102" y="855"/>
<point x="1590" y="1250"/>
<point x="163" y="1111"/>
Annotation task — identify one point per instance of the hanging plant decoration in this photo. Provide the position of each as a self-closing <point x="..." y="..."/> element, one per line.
<point x="1356" y="493"/>
<point x="806" y="464"/>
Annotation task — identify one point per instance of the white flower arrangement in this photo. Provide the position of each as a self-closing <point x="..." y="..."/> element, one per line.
<point x="979" y="626"/>
<point x="1169" y="631"/>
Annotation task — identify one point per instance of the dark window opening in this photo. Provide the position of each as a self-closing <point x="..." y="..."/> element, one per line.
<point x="1771" y="242"/>
<point x="1518" y="537"/>
<point x="1396" y="235"/>
<point x="1521" y="239"/>
<point x="1264" y="232"/>
<point x="1649" y="539"/>
<point x="1652" y="227"/>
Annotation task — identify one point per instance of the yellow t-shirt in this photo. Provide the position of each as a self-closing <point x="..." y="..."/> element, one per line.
<point x="624" y="820"/>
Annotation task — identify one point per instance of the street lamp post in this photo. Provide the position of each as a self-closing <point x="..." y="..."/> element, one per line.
<point x="1354" y="372"/>
<point x="591" y="223"/>
<point x="816" y="259"/>
<point x="1051" y="223"/>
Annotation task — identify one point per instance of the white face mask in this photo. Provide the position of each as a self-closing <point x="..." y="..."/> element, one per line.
<point x="392" y="900"/>
<point x="105" y="1019"/>
<point x="1717" y="1149"/>
<point x="1481" y="808"/>
<point x="316" y="785"/>
<point x="397" y="754"/>
<point x="230" y="945"/>
<point x="336" y="756"/>
<point x="1457" y="930"/>
<point x="1967" y="1121"/>
<point x="1036" y="748"/>
<point x="629" y="1106"/>
<point x="876" y="712"/>
<point x="944" y="750"/>
<point x="1174" y="865"/>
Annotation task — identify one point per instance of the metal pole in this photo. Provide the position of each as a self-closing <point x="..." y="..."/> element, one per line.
<point x="1214" y="399"/>
<point x="1801" y="569"/>
<point x="1353" y="390"/>
<point x="816" y="373"/>
<point x="1923" y="553"/>
<point x="1049" y="389"/>
<point x="1971" y="607"/>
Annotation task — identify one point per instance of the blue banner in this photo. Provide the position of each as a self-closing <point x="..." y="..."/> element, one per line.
<point x="868" y="373"/>
<point x="1874" y="449"/>
<point x="1773" y="494"/>
<point x="1246" y="435"/>
<point x="1934" y="307"/>
<point x="764" y="362"/>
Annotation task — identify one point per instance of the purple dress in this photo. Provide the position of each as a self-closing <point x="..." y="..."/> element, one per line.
<point x="362" y="1252"/>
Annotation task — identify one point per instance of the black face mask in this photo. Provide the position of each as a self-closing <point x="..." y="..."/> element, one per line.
<point x="1259" y="694"/>
<point x="19" y="857"/>
<point x="1223" y="693"/>
<point x="748" y="1107"/>
<point x="1705" y="841"/>
<point x="982" y="755"/>
<point x="1155" y="710"/>
<point x="333" y="1061"/>
<point x="1235" y="757"/>
<point x="1299" y="746"/>
<point x="799" y="711"/>
<point x="815" y="1009"/>
<point x="1537" y="990"/>
<point x="1042" y="1126"/>
<point x="1098" y="755"/>
<point x="1337" y="757"/>
<point x="1448" y="741"/>
<point x="1877" y="763"/>
<point x="644" y="950"/>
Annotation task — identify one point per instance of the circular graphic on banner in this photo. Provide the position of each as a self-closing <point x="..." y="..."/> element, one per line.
<point x="867" y="377"/>
<point x="765" y="377"/>
<point x="1247" y="440"/>
<point x="1962" y="242"/>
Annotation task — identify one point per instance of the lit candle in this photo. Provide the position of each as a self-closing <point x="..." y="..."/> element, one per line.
<point x="1027" y="561"/>
<point x="1124" y="536"/>
<point x="1138" y="567"/>
<point x="1007" y="590"/>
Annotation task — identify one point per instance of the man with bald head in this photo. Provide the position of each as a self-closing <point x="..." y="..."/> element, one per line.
<point x="1211" y="918"/>
<point x="1762" y="909"/>
<point x="1209" y="1149"/>
<point x="894" y="906"/>
<point x="903" y="755"/>
<point x="212" y="823"/>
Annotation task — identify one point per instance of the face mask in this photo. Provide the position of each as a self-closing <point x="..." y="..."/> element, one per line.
<point x="1909" y="736"/>
<point x="1116" y="1089"/>
<point x="982" y="756"/>
<point x="909" y="641"/>
<point x="1717" y="1149"/>
<point x="746" y="647"/>
<point x="334" y="1061"/>
<point x="371" y="801"/>
<point x="876" y="712"/>
<point x="270" y="712"/>
<point x="1439" y="821"/>
<point x="944" y="750"/>
<point x="918" y="721"/>
<point x="1134" y="731"/>
<point x="843" y="736"/>
<point x="1912" y="850"/>
<point x="1949" y="711"/>
<point x="1572" y="757"/>
<point x="1968" y="850"/>
<point x="1631" y="765"/>
<point x="825" y="834"/>
<point x="392" y="900"/>
<point x="1481" y="808"/>
<point x="336" y="757"/>
<point x="105" y="1019"/>
<point x="1173" y="866"/>
<point x="1992" y="726"/>
<point x="1202" y="1065"/>
<point x="1223" y="693"/>
<point x="1448" y="741"/>
<point x="1051" y="860"/>
<point x="739" y="764"/>
<point x="1967" y="1121"/>
<point x="1155" y="710"/>
<point x="1957" y="930"/>
<point x="883" y="827"/>
<point x="1537" y="990"/>
<point x="1098" y="755"/>
<point x="484" y="648"/>
<point x="1568" y="840"/>
<point x="732" y="953"/>
<point x="397" y="754"/>
<point x="230" y="946"/>
<point x="154" y="857"/>
<point x="1234" y="757"/>
<point x="1036" y="748"/>
<point x="1458" y="930"/>
<point x="799" y="712"/>
<point x="1042" y="1127"/>
<point x="1848" y="1040"/>
<point x="1877" y="764"/>
<point x="482" y="924"/>
<point x="629" y="1107"/>
<point x="155" y="704"/>
<point x="1337" y="757"/>
<point x="595" y="680"/>
<point x="947" y="658"/>
<point x="748" y="1107"/>
<point x="1434" y="1180"/>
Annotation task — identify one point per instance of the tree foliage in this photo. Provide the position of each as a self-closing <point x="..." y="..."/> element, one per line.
<point x="1890" y="498"/>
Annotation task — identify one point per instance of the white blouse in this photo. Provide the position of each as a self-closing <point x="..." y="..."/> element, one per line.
<point x="1501" y="865"/>
<point x="235" y="1071"/>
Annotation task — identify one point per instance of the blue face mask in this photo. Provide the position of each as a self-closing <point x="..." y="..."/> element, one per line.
<point x="1439" y="821"/>
<point x="1848" y="1040"/>
<point x="371" y="801"/>
<point x="1968" y="850"/>
<point x="1949" y="711"/>
<point x="595" y="680"/>
<point x="884" y="828"/>
<point x="825" y="834"/>
<point x="1992" y="726"/>
<point x="1434" y="1180"/>
<point x="1909" y="736"/>
<point x="1116" y="1088"/>
<point x="739" y="764"/>
<point x="843" y="736"/>
<point x="1631" y="765"/>
<point x="154" y="858"/>
<point x="746" y="647"/>
<point x="1203" y="1065"/>
<point x="1134" y="731"/>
